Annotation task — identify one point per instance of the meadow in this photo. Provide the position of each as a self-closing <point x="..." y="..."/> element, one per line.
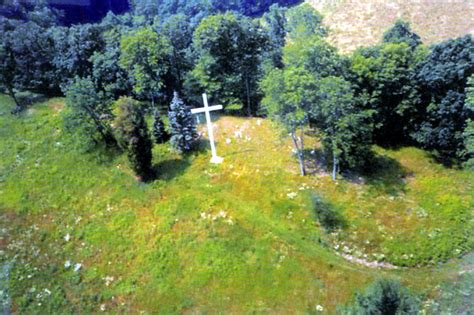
<point x="83" y="236"/>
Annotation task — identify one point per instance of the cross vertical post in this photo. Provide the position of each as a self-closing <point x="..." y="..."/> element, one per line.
<point x="207" y="110"/>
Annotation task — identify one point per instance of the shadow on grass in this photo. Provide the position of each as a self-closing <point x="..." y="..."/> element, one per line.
<point x="315" y="161"/>
<point x="169" y="169"/>
<point x="327" y="214"/>
<point x="386" y="174"/>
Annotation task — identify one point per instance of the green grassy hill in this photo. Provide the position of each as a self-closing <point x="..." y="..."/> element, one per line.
<point x="240" y="237"/>
<point x="362" y="23"/>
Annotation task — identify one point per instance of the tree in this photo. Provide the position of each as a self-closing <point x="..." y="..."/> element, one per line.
<point x="159" y="132"/>
<point x="229" y="50"/>
<point x="145" y="55"/>
<point x="469" y="130"/>
<point x="401" y="32"/>
<point x="73" y="49"/>
<point x="106" y="71"/>
<point x="88" y="113"/>
<point x="132" y="134"/>
<point x="180" y="35"/>
<point x="9" y="72"/>
<point x="346" y="129"/>
<point x="385" y="81"/>
<point x="443" y="78"/>
<point x="275" y="26"/>
<point x="289" y="93"/>
<point x="304" y="21"/>
<point x="385" y="297"/>
<point x="182" y="125"/>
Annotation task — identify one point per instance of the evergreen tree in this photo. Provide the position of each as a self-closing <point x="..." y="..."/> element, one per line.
<point x="401" y="32"/>
<point x="159" y="132"/>
<point x="132" y="134"/>
<point x="182" y="125"/>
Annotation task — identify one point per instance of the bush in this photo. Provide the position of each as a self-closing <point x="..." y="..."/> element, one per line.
<point x="132" y="134"/>
<point x="327" y="216"/>
<point x="385" y="297"/>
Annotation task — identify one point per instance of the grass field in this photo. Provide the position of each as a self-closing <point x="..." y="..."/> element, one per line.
<point x="82" y="235"/>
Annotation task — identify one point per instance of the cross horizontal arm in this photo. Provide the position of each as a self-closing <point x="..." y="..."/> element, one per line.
<point x="206" y="109"/>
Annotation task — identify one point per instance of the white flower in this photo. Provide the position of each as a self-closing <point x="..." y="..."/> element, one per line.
<point x="319" y="308"/>
<point x="77" y="267"/>
<point x="47" y="291"/>
<point x="259" y="122"/>
<point x="102" y="307"/>
<point x="291" y="195"/>
<point x="67" y="237"/>
<point x="67" y="264"/>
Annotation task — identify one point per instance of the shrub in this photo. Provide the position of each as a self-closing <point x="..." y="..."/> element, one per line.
<point x="385" y="297"/>
<point x="132" y="134"/>
<point x="327" y="216"/>
<point x="160" y="134"/>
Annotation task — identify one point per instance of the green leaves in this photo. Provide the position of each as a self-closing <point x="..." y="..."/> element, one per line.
<point x="145" y="55"/>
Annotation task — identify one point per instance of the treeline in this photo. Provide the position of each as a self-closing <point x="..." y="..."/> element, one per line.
<point x="398" y="92"/>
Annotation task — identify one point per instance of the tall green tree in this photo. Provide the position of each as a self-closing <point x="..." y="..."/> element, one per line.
<point x="133" y="136"/>
<point x="179" y="31"/>
<point x="304" y="21"/>
<point x="145" y="55"/>
<point x="73" y="49"/>
<point x="9" y="70"/>
<point x="346" y="129"/>
<point x="443" y="78"/>
<point x="106" y="71"/>
<point x="274" y="23"/>
<point x="385" y="81"/>
<point x="88" y="115"/>
<point x="289" y="95"/>
<point x="229" y="50"/>
<point x="469" y="130"/>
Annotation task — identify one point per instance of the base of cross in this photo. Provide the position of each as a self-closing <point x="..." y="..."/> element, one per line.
<point x="217" y="160"/>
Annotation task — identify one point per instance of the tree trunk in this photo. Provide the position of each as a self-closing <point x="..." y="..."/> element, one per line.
<point x="18" y="107"/>
<point x="249" y="109"/>
<point x="299" y="152"/>
<point x="334" y="167"/>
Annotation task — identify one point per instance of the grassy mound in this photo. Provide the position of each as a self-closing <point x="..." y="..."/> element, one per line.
<point x="82" y="235"/>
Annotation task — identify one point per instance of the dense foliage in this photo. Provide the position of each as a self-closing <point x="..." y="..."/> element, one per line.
<point x="182" y="125"/>
<point x="395" y="93"/>
<point x="385" y="297"/>
<point x="133" y="136"/>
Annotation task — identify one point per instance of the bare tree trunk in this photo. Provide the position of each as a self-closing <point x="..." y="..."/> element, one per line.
<point x="249" y="109"/>
<point x="299" y="152"/>
<point x="19" y="107"/>
<point x="334" y="167"/>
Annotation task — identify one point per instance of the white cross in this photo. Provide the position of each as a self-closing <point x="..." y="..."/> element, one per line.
<point x="206" y="109"/>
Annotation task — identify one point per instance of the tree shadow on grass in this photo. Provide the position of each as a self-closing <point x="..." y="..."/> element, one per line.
<point x="386" y="174"/>
<point x="315" y="161"/>
<point x="169" y="169"/>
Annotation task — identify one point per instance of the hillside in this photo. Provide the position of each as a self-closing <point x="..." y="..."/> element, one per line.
<point x="356" y="23"/>
<point x="84" y="236"/>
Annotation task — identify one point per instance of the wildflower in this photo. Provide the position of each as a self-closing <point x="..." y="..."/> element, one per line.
<point x="67" y="264"/>
<point x="67" y="237"/>
<point x="319" y="308"/>
<point x="77" y="267"/>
